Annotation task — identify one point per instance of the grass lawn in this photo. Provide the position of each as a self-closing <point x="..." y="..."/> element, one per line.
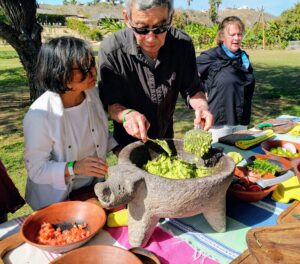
<point x="277" y="92"/>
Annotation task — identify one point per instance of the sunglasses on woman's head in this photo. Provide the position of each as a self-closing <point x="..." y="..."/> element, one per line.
<point x="156" y="30"/>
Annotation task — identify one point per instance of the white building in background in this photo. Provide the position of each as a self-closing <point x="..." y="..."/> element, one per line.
<point x="244" y="7"/>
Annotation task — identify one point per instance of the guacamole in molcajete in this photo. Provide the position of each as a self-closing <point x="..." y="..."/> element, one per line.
<point x="175" y="168"/>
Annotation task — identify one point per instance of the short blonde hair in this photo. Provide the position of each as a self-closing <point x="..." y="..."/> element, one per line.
<point x="225" y="23"/>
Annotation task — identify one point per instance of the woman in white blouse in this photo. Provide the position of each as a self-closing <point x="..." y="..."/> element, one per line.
<point x="66" y="130"/>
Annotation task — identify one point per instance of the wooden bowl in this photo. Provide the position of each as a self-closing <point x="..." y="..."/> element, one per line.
<point x="99" y="254"/>
<point x="63" y="212"/>
<point x="250" y="196"/>
<point x="269" y="144"/>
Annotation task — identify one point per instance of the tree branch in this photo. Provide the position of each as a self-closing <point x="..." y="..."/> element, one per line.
<point x="9" y="34"/>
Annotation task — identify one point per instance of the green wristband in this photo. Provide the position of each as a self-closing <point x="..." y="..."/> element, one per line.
<point x="70" y="168"/>
<point x="126" y="113"/>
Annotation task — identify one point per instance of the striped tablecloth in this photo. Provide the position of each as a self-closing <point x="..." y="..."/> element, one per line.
<point x="179" y="241"/>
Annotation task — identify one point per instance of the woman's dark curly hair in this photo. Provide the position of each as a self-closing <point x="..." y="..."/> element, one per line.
<point x="56" y="59"/>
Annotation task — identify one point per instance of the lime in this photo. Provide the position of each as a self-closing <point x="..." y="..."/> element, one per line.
<point x="237" y="157"/>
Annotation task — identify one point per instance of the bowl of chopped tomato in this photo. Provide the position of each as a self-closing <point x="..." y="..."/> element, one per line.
<point x="63" y="226"/>
<point x="244" y="188"/>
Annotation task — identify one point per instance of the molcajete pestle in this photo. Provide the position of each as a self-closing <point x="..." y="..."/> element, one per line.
<point x="151" y="197"/>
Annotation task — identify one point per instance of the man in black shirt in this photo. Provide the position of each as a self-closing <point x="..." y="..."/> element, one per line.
<point x="142" y="70"/>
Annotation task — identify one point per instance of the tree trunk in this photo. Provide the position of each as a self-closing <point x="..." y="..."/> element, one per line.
<point x="23" y="33"/>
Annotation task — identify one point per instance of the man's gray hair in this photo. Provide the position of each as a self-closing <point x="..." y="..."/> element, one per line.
<point x="148" y="4"/>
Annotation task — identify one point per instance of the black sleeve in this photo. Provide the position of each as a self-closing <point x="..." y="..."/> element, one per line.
<point x="203" y="63"/>
<point x="110" y="79"/>
<point x="191" y="82"/>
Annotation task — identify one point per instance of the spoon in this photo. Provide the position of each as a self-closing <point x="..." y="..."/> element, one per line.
<point x="270" y="182"/>
<point x="163" y="144"/>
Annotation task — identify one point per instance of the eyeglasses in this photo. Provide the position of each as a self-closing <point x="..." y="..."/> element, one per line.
<point x="156" y="30"/>
<point x="85" y="70"/>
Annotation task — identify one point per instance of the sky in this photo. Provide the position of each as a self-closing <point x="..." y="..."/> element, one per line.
<point x="274" y="7"/>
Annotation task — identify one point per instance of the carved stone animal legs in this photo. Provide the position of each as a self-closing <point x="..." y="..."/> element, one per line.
<point x="139" y="231"/>
<point x="216" y="215"/>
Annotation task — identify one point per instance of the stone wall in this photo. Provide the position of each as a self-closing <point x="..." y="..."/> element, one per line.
<point x="294" y="45"/>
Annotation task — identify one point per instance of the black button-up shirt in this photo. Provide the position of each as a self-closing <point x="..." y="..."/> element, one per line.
<point x="128" y="78"/>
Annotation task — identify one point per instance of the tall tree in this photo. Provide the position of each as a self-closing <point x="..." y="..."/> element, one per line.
<point x="213" y="10"/>
<point x="291" y="22"/>
<point x="65" y="2"/>
<point x="21" y="30"/>
<point x="73" y="2"/>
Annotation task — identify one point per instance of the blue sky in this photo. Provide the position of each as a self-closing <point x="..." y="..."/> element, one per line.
<point x="274" y="7"/>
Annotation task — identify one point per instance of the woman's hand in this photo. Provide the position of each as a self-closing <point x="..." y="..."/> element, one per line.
<point x="91" y="166"/>
<point x="136" y="125"/>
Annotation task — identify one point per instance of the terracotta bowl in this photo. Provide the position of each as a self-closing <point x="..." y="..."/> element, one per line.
<point x="283" y="163"/>
<point x="269" y="144"/>
<point x="296" y="166"/>
<point x="63" y="212"/>
<point x="100" y="254"/>
<point x="250" y="196"/>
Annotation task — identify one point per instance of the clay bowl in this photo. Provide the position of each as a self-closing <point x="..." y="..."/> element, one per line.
<point x="281" y="162"/>
<point x="99" y="254"/>
<point x="296" y="166"/>
<point x="269" y="144"/>
<point x="248" y="195"/>
<point x="63" y="212"/>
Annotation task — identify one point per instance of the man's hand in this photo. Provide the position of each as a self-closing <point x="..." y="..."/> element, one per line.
<point x="91" y="166"/>
<point x="136" y="125"/>
<point x="203" y="118"/>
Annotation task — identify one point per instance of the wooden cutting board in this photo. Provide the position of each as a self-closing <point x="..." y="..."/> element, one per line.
<point x="282" y="129"/>
<point x="244" y="258"/>
<point x="275" y="244"/>
<point x="290" y="214"/>
<point x="10" y="243"/>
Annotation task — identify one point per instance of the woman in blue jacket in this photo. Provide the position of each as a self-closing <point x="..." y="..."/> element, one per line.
<point x="228" y="79"/>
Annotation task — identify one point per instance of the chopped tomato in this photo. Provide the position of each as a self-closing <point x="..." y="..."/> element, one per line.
<point x="49" y="236"/>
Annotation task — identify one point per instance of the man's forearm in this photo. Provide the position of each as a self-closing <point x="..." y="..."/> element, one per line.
<point x="116" y="112"/>
<point x="198" y="101"/>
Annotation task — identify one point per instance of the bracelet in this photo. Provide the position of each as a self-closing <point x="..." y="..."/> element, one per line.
<point x="126" y="113"/>
<point x="70" y="168"/>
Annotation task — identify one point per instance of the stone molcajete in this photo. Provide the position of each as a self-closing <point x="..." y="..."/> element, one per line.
<point x="150" y="197"/>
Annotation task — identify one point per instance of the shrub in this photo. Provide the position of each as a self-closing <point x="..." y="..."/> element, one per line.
<point x="110" y="25"/>
<point x="84" y="30"/>
<point x="203" y="36"/>
<point x="96" y="35"/>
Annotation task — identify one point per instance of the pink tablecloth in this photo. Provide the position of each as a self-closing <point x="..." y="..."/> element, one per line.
<point x="169" y="249"/>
